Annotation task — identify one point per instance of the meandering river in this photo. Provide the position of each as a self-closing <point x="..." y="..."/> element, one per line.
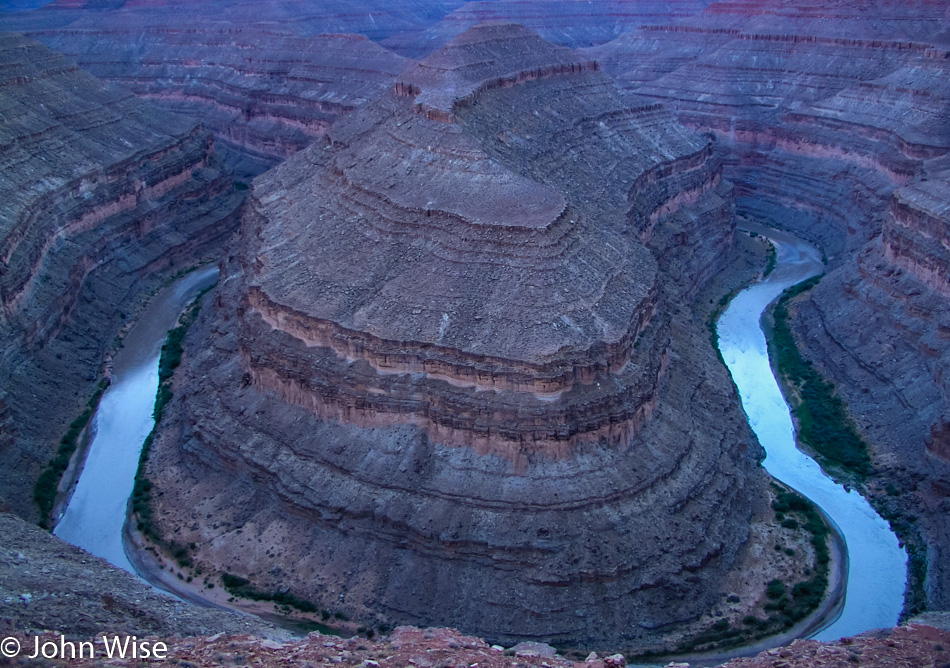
<point x="96" y="513"/>
<point x="877" y="571"/>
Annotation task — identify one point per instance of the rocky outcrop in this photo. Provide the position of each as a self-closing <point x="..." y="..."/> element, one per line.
<point x="48" y="584"/>
<point x="102" y="196"/>
<point x="917" y="233"/>
<point x="452" y="376"/>
<point x="923" y="642"/>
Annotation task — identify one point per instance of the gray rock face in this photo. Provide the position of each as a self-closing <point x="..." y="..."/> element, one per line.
<point x="265" y="77"/>
<point x="48" y="584"/>
<point x="880" y="332"/>
<point x="357" y="422"/>
<point x="835" y="120"/>
<point x="101" y="196"/>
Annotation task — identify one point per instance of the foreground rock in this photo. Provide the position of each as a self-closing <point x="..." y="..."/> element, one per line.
<point x="918" y="644"/>
<point x="101" y="198"/>
<point x="911" y="646"/>
<point x="48" y="584"/>
<point x="452" y="376"/>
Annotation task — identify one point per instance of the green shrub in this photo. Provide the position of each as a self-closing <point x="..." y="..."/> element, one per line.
<point x="775" y="589"/>
<point x="242" y="588"/>
<point x="44" y="492"/>
<point x="823" y="420"/>
<point x="169" y="360"/>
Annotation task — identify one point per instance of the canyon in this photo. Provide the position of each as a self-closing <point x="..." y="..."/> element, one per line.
<point x="833" y="107"/>
<point x="266" y="78"/>
<point x="457" y="370"/>
<point x="444" y="398"/>
<point x="103" y="198"/>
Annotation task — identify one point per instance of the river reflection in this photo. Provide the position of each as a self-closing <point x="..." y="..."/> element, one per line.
<point x="877" y="564"/>
<point x="96" y="513"/>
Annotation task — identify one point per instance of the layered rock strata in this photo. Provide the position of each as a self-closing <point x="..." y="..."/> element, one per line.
<point x="265" y="96"/>
<point x="834" y="119"/>
<point x="102" y="196"/>
<point x="881" y="332"/>
<point x="451" y="375"/>
<point x="266" y="78"/>
<point x="269" y="77"/>
<point x="809" y="115"/>
<point x="575" y="24"/>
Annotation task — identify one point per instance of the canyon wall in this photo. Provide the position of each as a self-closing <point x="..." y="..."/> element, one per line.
<point x="575" y="24"/>
<point x="452" y="375"/>
<point x="834" y="117"/>
<point x="269" y="77"/>
<point x="101" y="198"/>
<point x="265" y="77"/>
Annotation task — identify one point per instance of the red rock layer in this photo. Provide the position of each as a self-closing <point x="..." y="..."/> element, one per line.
<point x="101" y="195"/>
<point x="920" y="643"/>
<point x="448" y="383"/>
<point x="917" y="233"/>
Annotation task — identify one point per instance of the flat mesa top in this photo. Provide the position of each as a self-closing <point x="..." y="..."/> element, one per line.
<point x="407" y="228"/>
<point x="932" y="197"/>
<point x="427" y="167"/>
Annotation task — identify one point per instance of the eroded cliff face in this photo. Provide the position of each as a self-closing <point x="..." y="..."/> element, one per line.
<point x="452" y="376"/>
<point x="101" y="196"/>
<point x="265" y="95"/>
<point x="835" y="121"/>
<point x="265" y="77"/>
<point x="879" y="328"/>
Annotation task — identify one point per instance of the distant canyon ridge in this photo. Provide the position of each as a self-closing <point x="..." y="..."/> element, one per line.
<point x="457" y="369"/>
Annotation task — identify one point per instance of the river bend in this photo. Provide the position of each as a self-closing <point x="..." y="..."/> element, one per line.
<point x="877" y="572"/>
<point x="95" y="516"/>
<point x="97" y="511"/>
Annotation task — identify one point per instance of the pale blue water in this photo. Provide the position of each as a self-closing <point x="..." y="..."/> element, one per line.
<point x="96" y="513"/>
<point x="877" y="564"/>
